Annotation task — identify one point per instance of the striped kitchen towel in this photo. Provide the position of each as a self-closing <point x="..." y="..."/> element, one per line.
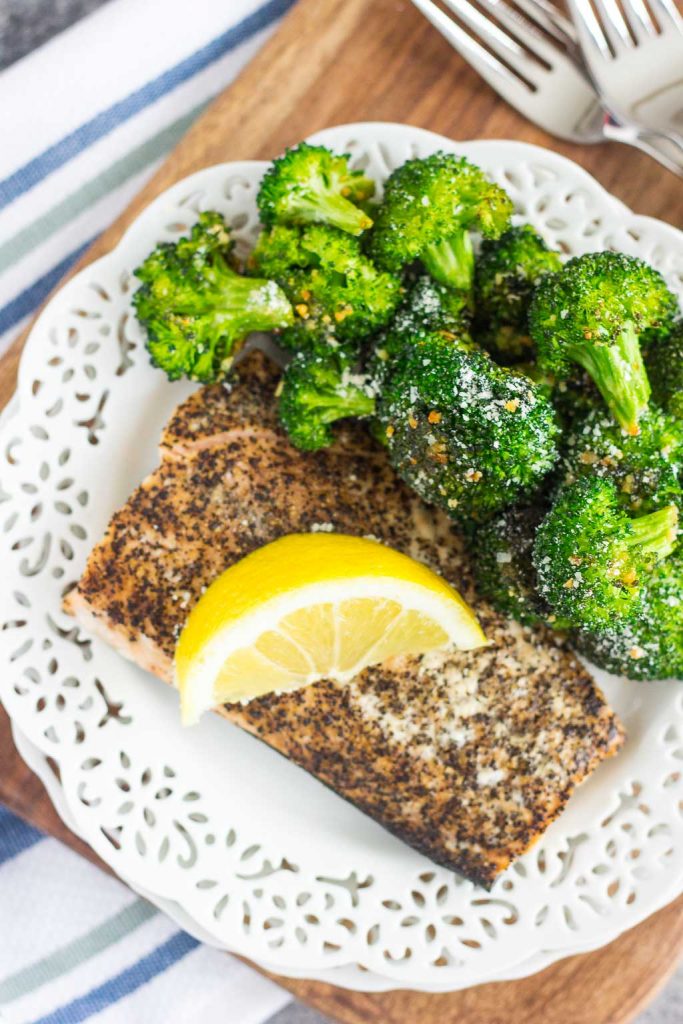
<point x="86" y="119"/>
<point x="77" y="945"/>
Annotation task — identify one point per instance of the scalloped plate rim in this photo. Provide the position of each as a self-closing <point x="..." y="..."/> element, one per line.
<point x="490" y="144"/>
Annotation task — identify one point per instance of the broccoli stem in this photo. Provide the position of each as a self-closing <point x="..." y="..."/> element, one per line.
<point x="656" y="532"/>
<point x="350" y="401"/>
<point x="620" y="375"/>
<point x="329" y="208"/>
<point x="451" y="261"/>
<point x="251" y="304"/>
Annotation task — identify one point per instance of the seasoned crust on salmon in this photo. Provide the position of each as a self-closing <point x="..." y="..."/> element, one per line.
<point x="466" y="756"/>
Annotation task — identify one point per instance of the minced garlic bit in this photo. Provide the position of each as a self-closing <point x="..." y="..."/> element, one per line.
<point x="302" y="310"/>
<point x="512" y="405"/>
<point x="434" y="416"/>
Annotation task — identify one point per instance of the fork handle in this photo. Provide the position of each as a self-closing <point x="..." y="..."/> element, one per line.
<point x="665" y="150"/>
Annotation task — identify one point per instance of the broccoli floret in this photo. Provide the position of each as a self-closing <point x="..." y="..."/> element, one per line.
<point x="337" y="292"/>
<point x="591" y="558"/>
<point x="427" y="306"/>
<point x="649" y="644"/>
<point x="466" y="434"/>
<point x="318" y="389"/>
<point x="503" y="566"/>
<point x="646" y="468"/>
<point x="593" y="312"/>
<point x="196" y="309"/>
<point x="310" y="184"/>
<point x="664" y="364"/>
<point x="507" y="270"/>
<point x="574" y="398"/>
<point x="544" y="381"/>
<point x="431" y="306"/>
<point x="428" y="210"/>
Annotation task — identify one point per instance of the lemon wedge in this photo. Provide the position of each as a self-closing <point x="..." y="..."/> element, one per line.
<point x="308" y="607"/>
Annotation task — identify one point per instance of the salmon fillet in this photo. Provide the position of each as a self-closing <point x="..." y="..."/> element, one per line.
<point x="467" y="757"/>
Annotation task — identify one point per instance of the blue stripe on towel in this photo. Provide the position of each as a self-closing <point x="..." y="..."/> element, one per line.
<point x="123" y="984"/>
<point x="71" y="145"/>
<point x="27" y="301"/>
<point x="15" y="835"/>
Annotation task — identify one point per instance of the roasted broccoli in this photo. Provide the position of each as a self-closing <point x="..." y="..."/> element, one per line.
<point x="574" y="398"/>
<point x="647" y="468"/>
<point x="310" y="184"/>
<point x="427" y="306"/>
<point x="196" y="309"/>
<point x="429" y="208"/>
<point x="507" y="270"/>
<point x="503" y="566"/>
<point x="544" y="381"/>
<point x="431" y="306"/>
<point x="648" y="644"/>
<point x="664" y="364"/>
<point x="317" y="389"/>
<point x="466" y="434"/>
<point x="593" y="312"/>
<point x="591" y="558"/>
<point x="337" y="292"/>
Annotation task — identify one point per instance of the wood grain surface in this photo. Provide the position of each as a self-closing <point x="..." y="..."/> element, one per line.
<point x="334" y="61"/>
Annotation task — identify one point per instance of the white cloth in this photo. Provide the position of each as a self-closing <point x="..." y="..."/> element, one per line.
<point x="86" y="119"/>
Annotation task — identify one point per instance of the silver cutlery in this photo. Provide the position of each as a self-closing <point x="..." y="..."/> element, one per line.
<point x="635" y="61"/>
<point x="545" y="78"/>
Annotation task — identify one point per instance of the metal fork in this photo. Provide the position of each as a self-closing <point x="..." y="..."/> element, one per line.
<point x="637" y="69"/>
<point x="545" y="80"/>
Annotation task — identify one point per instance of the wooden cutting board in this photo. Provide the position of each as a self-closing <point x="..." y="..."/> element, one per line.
<point x="335" y="61"/>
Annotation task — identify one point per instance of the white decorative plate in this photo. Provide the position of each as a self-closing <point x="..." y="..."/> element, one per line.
<point x="246" y="849"/>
